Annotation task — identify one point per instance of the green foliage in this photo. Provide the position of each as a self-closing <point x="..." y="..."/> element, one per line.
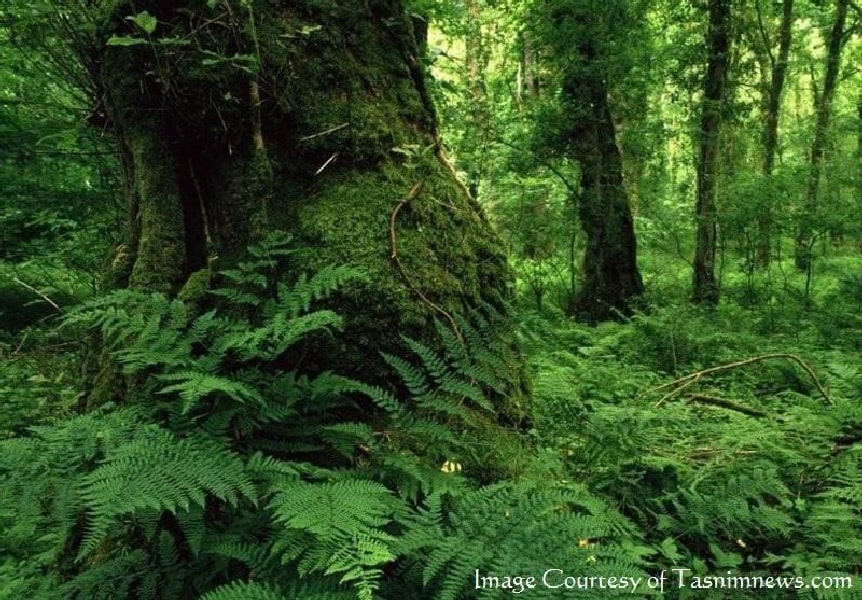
<point x="336" y="528"/>
<point x="219" y="473"/>
<point x="710" y="489"/>
<point x="225" y="467"/>
<point x="514" y="528"/>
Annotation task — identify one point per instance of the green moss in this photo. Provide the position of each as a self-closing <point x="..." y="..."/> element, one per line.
<point x="161" y="248"/>
<point x="196" y="286"/>
<point x="243" y="203"/>
<point x="445" y="248"/>
<point x="341" y="87"/>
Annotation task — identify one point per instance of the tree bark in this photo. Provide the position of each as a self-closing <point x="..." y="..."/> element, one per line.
<point x="705" y="287"/>
<point x="858" y="177"/>
<point x="823" y="110"/>
<point x="314" y="119"/>
<point x="772" y="102"/>
<point x="530" y="85"/>
<point x="477" y="132"/>
<point x="612" y="281"/>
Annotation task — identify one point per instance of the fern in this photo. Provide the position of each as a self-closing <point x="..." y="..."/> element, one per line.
<point x="194" y="385"/>
<point x="251" y="590"/>
<point x="336" y="528"/>
<point x="157" y="471"/>
<point x="513" y="528"/>
<point x="246" y="590"/>
<point x="227" y="475"/>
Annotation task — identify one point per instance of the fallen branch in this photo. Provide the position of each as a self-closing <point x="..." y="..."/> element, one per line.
<point x="728" y="404"/>
<point x="708" y="452"/>
<point x="678" y="385"/>
<point x="327" y="132"/>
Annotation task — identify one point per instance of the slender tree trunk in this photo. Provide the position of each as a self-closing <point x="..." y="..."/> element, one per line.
<point x="772" y="102"/>
<point x="858" y="178"/>
<point x="480" y="118"/>
<point x="528" y="64"/>
<point x="313" y="120"/>
<point x="823" y="109"/>
<point x="705" y="287"/>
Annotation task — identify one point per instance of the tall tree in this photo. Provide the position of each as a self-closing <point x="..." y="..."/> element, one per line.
<point x="528" y="83"/>
<point x="858" y="178"/>
<point x="478" y="129"/>
<point x="823" y="112"/>
<point x="772" y="93"/>
<point x="705" y="287"/>
<point x="582" y="38"/>
<point x="233" y="118"/>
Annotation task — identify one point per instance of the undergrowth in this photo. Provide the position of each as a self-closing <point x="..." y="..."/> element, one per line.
<point x="216" y="475"/>
<point x="682" y="441"/>
<point x="752" y="469"/>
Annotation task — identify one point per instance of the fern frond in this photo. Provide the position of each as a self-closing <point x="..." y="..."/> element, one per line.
<point x="192" y="386"/>
<point x="344" y="437"/>
<point x="308" y="589"/>
<point x="247" y="590"/>
<point x="413" y="377"/>
<point x="158" y="471"/>
<point x="432" y="362"/>
<point x="336" y="527"/>
<point x="297" y="298"/>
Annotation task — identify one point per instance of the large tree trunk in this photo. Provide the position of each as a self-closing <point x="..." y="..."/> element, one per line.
<point x="823" y="109"/>
<point x="772" y="103"/>
<point x="705" y="287"/>
<point x="305" y="116"/>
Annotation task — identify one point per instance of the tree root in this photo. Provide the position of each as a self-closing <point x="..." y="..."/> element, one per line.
<point x="414" y="191"/>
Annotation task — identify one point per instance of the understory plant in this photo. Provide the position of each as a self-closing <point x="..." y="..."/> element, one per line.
<point x="745" y="466"/>
<point x="218" y="473"/>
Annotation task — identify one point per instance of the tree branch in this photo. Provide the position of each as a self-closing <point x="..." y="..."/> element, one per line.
<point x="728" y="404"/>
<point x="38" y="293"/>
<point x="678" y="385"/>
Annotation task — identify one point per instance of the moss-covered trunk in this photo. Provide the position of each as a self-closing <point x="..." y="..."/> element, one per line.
<point x="312" y="117"/>
<point x="612" y="281"/>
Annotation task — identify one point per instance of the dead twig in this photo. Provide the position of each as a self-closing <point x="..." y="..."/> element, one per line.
<point x="678" y="385"/>
<point x="21" y="343"/>
<point x="326" y="132"/>
<point x="38" y="293"/>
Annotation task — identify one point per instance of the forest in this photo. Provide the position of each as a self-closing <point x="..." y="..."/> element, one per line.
<point x="430" y="299"/>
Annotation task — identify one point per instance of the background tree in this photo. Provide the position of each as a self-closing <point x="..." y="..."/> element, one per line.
<point x="582" y="38"/>
<point x="705" y="287"/>
<point x="772" y="93"/>
<point x="823" y="112"/>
